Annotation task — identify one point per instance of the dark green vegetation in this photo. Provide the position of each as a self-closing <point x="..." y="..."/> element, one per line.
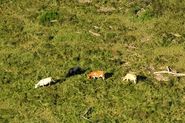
<point x="41" y="38"/>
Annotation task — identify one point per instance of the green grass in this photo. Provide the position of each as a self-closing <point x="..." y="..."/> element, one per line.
<point x="39" y="39"/>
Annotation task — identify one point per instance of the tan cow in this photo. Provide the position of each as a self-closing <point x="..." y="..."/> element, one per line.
<point x="96" y="74"/>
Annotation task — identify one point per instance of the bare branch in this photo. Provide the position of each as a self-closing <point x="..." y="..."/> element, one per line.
<point x="83" y="116"/>
<point x="94" y="33"/>
<point x="168" y="72"/>
<point x="160" y="72"/>
<point x="86" y="118"/>
<point x="179" y="74"/>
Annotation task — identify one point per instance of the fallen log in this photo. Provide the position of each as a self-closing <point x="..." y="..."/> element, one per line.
<point x="172" y="73"/>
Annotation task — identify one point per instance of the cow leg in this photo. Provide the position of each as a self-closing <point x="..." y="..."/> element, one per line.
<point x="103" y="77"/>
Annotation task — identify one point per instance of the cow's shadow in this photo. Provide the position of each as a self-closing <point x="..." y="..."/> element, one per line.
<point x="141" y="78"/>
<point x="56" y="81"/>
<point x="108" y="75"/>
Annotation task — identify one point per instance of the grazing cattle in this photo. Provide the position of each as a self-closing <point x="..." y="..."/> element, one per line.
<point x="96" y="74"/>
<point x="130" y="77"/>
<point x="44" y="82"/>
<point x="74" y="71"/>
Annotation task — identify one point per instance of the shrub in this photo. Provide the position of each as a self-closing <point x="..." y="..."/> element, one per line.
<point x="47" y="17"/>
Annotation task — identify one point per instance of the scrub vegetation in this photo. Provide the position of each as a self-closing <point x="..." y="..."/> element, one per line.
<point x="42" y="38"/>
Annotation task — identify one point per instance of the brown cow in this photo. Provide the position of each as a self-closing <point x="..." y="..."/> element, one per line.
<point x="96" y="74"/>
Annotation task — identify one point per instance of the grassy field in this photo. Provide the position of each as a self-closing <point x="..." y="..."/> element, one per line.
<point x="42" y="38"/>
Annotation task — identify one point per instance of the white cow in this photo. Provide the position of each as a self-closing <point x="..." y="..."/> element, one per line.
<point x="130" y="77"/>
<point x="44" y="82"/>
